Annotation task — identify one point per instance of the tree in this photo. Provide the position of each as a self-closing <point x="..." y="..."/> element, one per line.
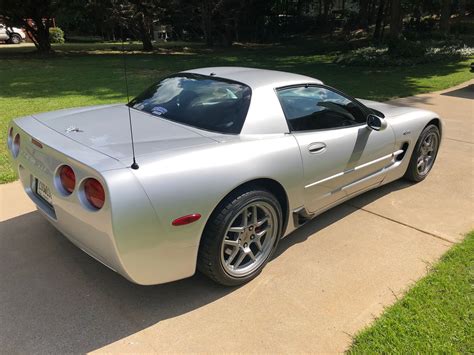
<point x="34" y="16"/>
<point x="395" y="20"/>
<point x="144" y="12"/>
<point x="136" y="16"/>
<point x="225" y="17"/>
<point x="364" y="14"/>
<point x="207" y="8"/>
<point x="379" y="21"/>
<point x="445" y="16"/>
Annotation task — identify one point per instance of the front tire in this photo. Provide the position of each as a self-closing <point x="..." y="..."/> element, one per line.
<point x="240" y="237"/>
<point x="424" y="154"/>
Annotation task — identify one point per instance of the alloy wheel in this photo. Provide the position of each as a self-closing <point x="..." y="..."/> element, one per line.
<point x="249" y="239"/>
<point x="427" y="153"/>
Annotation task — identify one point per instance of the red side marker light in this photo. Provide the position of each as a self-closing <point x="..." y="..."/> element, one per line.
<point x="37" y="143"/>
<point x="190" y="218"/>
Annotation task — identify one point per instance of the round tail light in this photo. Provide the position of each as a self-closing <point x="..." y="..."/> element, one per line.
<point x="16" y="145"/>
<point x="67" y="179"/>
<point x="94" y="192"/>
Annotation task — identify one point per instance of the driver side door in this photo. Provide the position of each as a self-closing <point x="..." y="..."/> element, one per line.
<point x="340" y="155"/>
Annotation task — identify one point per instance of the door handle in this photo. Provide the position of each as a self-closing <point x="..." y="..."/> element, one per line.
<point x="317" y="147"/>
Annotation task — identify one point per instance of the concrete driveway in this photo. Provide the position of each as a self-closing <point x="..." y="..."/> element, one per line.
<point x="329" y="279"/>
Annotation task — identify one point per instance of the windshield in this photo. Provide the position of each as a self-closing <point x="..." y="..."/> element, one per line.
<point x="200" y="101"/>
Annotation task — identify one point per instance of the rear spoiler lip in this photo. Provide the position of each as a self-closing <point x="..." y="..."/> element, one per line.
<point x="70" y="148"/>
<point x="69" y="138"/>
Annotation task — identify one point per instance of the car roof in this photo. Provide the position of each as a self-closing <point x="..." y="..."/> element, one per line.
<point x="256" y="78"/>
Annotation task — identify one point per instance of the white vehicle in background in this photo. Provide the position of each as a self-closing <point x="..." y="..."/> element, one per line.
<point x="13" y="35"/>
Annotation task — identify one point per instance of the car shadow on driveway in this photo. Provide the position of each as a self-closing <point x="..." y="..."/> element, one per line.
<point x="466" y="92"/>
<point x="55" y="299"/>
<point x="337" y="213"/>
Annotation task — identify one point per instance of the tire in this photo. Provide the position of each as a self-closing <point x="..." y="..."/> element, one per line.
<point x="418" y="171"/>
<point x="228" y="242"/>
<point x="15" y="39"/>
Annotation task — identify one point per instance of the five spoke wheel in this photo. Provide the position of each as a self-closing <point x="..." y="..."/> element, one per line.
<point x="249" y="239"/>
<point x="424" y="154"/>
<point x="427" y="153"/>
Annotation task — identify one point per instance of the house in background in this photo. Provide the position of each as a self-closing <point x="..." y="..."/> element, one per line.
<point x="162" y="32"/>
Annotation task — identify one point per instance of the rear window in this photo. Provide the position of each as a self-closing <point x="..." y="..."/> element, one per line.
<point x="213" y="104"/>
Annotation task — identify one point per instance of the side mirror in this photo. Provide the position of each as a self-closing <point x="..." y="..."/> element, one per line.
<point x="376" y="123"/>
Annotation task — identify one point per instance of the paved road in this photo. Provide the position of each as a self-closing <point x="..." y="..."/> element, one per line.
<point x="329" y="279"/>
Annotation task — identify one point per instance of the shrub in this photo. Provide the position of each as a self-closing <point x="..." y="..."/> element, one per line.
<point x="462" y="27"/>
<point x="425" y="25"/>
<point x="406" y="49"/>
<point x="405" y="54"/>
<point x="56" y="35"/>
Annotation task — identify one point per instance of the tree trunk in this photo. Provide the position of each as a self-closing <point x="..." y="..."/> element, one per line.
<point x="462" y="8"/>
<point x="417" y="14"/>
<point x="326" y="6"/>
<point x="44" y="45"/>
<point x="372" y="7"/>
<point x="364" y="14"/>
<point x="146" y="41"/>
<point x="145" y="33"/>
<point x="207" y="22"/>
<point x="395" y="20"/>
<point x="445" y="15"/>
<point x="378" y="21"/>
<point x="236" y="29"/>
<point x="39" y="34"/>
<point x="299" y="9"/>
<point x="227" y="34"/>
<point x="384" y="19"/>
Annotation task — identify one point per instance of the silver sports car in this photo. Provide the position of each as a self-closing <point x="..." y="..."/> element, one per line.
<point x="230" y="160"/>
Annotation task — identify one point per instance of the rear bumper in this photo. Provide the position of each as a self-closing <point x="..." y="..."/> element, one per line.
<point x="91" y="230"/>
<point x="125" y="234"/>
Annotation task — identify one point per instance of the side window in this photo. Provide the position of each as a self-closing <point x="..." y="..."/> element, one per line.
<point x="309" y="108"/>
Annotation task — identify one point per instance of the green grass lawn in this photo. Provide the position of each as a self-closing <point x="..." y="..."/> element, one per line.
<point x="435" y="316"/>
<point x="87" y="74"/>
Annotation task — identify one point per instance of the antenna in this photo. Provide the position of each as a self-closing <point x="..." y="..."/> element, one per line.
<point x="134" y="164"/>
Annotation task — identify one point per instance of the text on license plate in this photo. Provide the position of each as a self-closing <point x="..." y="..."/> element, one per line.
<point x="44" y="191"/>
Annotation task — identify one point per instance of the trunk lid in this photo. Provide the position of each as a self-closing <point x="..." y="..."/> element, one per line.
<point x="106" y="129"/>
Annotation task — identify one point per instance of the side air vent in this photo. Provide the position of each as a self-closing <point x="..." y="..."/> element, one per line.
<point x="404" y="148"/>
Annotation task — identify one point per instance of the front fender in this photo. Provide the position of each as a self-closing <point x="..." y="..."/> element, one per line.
<point x="407" y="129"/>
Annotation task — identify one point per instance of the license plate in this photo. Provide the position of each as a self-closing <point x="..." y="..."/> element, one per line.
<point x="44" y="191"/>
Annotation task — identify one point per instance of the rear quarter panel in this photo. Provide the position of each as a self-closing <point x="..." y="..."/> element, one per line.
<point x="183" y="182"/>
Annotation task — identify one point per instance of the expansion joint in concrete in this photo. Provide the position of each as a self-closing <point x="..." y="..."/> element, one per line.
<point x="403" y="224"/>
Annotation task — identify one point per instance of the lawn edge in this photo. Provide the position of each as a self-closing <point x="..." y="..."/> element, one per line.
<point x="432" y="272"/>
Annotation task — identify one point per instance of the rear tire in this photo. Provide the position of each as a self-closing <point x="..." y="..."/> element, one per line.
<point x="240" y="237"/>
<point x="424" y="154"/>
<point x="15" y="39"/>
